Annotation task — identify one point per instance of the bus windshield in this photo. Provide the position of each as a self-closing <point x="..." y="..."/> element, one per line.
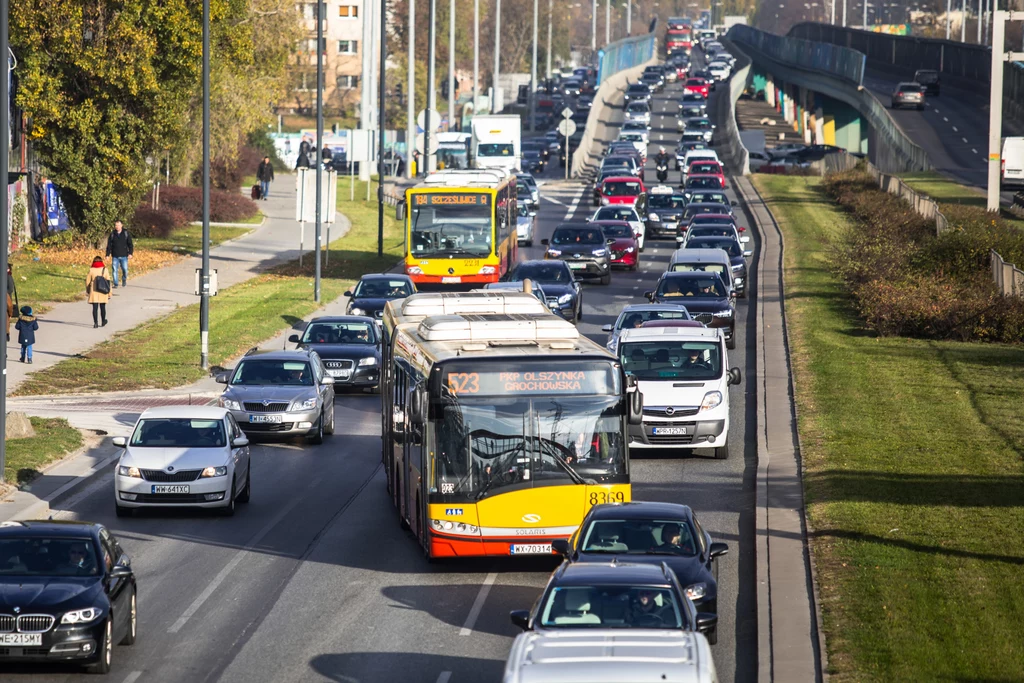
<point x="453" y="157"/>
<point x="451" y="225"/>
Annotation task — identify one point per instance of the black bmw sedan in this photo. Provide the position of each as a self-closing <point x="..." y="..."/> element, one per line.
<point x="349" y="347"/>
<point x="652" y="533"/>
<point x="376" y="289"/>
<point x="67" y="594"/>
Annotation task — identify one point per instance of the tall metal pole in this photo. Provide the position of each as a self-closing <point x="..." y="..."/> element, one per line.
<point x="533" y="73"/>
<point x="963" y="21"/>
<point x="410" y="105"/>
<point x="497" y="54"/>
<point x="451" y="66"/>
<point x="607" y="21"/>
<point x="995" y="107"/>
<point x="476" y="52"/>
<point x="428" y="125"/>
<point x="629" y="18"/>
<point x="366" y="81"/>
<point x="593" y="28"/>
<point x="833" y="12"/>
<point x="381" y="120"/>
<point x="5" y="150"/>
<point x="204" y="275"/>
<point x="844" y="13"/>
<point x="949" y="16"/>
<point x="320" y="138"/>
<point x="550" y="13"/>
<point x="980" y="21"/>
<point x="864" y="23"/>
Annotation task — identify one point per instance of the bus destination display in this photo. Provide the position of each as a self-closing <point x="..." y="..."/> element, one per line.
<point x="592" y="380"/>
<point x="452" y="199"/>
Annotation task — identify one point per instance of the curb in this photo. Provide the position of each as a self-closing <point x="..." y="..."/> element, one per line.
<point x="234" y="225"/>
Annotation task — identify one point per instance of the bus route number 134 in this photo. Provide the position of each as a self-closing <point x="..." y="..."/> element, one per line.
<point x="607" y="497"/>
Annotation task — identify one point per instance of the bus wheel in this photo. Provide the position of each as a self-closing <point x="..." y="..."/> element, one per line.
<point x="398" y="504"/>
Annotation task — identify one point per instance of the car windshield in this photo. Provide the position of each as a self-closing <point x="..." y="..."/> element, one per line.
<point x="495" y="149"/>
<point x="619" y="188"/>
<point x="638" y="536"/>
<point x="692" y="111"/>
<point x="615" y="231"/>
<point x="705" y="167"/>
<point x="340" y="333"/>
<point x="612" y="213"/>
<point x="666" y="201"/>
<point x="672" y="360"/>
<point x="379" y="288"/>
<point x="692" y="97"/>
<point x="711" y="219"/>
<point x="637" y="88"/>
<point x="631" y="137"/>
<point x="611" y="607"/>
<point x="633" y="125"/>
<point x="261" y="372"/>
<point x="178" y="433"/>
<point x="569" y="236"/>
<point x="711" y="231"/>
<point x="699" y="124"/>
<point x="45" y="556"/>
<point x="705" y="287"/>
<point x="634" y="319"/>
<point x="695" y="81"/>
<point x="731" y="247"/>
<point x="909" y="87"/>
<point x="523" y="210"/>
<point x="637" y="107"/>
<point x="927" y="77"/>
<point x="706" y="181"/>
<point x="553" y="273"/>
<point x="710" y="197"/>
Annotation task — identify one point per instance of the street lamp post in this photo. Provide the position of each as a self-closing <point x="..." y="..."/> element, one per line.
<point x="410" y="105"/>
<point x="476" y="51"/>
<point x="204" y="275"/>
<point x="629" y="18"/>
<point x="497" y="54"/>
<point x="5" y="150"/>
<point x="607" y="21"/>
<point x="320" y="7"/>
<point x="533" y="73"/>
<point x="381" y="120"/>
<point x="428" y="125"/>
<point x="551" y="8"/>
<point x="451" y="65"/>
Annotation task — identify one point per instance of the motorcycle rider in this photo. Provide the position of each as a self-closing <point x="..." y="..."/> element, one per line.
<point x="661" y="162"/>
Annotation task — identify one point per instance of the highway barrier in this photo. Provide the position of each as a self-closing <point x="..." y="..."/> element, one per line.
<point x="731" y="148"/>
<point x="834" y="60"/>
<point x="624" y="54"/>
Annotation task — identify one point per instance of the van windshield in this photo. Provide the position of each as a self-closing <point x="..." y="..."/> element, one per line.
<point x="672" y="360"/>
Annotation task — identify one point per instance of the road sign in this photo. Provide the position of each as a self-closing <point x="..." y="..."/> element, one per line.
<point x="566" y="127"/>
<point x="305" y="195"/>
<point x="433" y="143"/>
<point x="567" y="113"/>
<point x="435" y="120"/>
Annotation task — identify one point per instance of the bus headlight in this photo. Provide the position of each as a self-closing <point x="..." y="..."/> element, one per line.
<point x="488" y="270"/>
<point x="456" y="528"/>
<point x="413" y="270"/>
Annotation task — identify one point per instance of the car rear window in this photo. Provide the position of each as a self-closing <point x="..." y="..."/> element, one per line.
<point x="620" y="188"/>
<point x="926" y="76"/>
<point x="577" y="236"/>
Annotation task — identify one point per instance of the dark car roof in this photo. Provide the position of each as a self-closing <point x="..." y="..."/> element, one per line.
<point x="54" y="528"/>
<point x="614" y="573"/>
<point x="279" y="354"/>
<point x="641" y="509"/>
<point x="578" y="225"/>
<point x="536" y="263"/>
<point x="386" y="276"/>
<point x="689" y="275"/>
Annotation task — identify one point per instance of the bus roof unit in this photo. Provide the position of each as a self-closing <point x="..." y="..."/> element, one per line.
<point x="506" y="330"/>
<point x="426" y="304"/>
<point x="465" y="178"/>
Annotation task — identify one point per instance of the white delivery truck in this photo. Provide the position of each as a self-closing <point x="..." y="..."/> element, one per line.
<point x="1012" y="171"/>
<point x="497" y="142"/>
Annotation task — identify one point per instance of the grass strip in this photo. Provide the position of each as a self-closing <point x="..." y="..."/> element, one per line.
<point x="26" y="458"/>
<point x="947" y="191"/>
<point x="164" y="352"/>
<point x="912" y="455"/>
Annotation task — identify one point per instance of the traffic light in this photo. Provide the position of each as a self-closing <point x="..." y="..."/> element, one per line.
<point x="444" y="88"/>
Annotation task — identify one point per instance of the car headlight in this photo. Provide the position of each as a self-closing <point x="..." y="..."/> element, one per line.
<point x="600" y="252"/>
<point x="613" y="345"/>
<point x="653" y="217"/>
<point x="604" y="201"/>
<point x="724" y="314"/>
<point x="356" y="311"/>
<point x="712" y="400"/>
<point x="565" y="298"/>
<point x="81" y="616"/>
<point x="307" y="404"/>
<point x="126" y="471"/>
<point x="230" y="404"/>
<point x="368" y="361"/>
<point x="696" y="591"/>
<point x="554" y="253"/>
<point x="214" y="472"/>
<point x="629" y="250"/>
<point x="740" y="266"/>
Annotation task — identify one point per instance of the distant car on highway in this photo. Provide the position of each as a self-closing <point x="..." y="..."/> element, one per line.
<point x="929" y="78"/>
<point x="705" y="296"/>
<point x="638" y="111"/>
<point x="526" y="225"/>
<point x="637" y="92"/>
<point x="374" y="290"/>
<point x="623" y="247"/>
<point x="560" y="285"/>
<point x="622" y="212"/>
<point x="572" y="87"/>
<point x="908" y="95"/>
<point x="348" y="345"/>
<point x="584" y="248"/>
<point x="696" y="85"/>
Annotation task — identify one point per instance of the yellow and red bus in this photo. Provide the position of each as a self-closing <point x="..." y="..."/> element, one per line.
<point x="503" y="431"/>
<point x="460" y="227"/>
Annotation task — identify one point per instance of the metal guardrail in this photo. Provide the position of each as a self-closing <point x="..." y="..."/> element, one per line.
<point x="733" y="152"/>
<point x="624" y="54"/>
<point x="1008" y="277"/>
<point x="834" y="60"/>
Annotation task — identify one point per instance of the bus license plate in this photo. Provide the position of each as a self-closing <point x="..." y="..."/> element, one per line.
<point x="266" y="418"/>
<point x="21" y="639"/>
<point x="451" y="280"/>
<point x="530" y="549"/>
<point x="670" y="431"/>
<point x="169" y="489"/>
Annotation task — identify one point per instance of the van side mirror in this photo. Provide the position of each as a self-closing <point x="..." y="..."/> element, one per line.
<point x="606" y="328"/>
<point x="348" y="294"/>
<point x="520" y="618"/>
<point x="635" y="414"/>
<point x="544" y="243"/>
<point x="400" y="210"/>
<point x="734" y="376"/>
<point x="221" y="378"/>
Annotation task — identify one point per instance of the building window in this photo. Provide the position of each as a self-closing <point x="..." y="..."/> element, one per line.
<point x="308" y="10"/>
<point x="348" y="47"/>
<point x="309" y="45"/>
<point x="348" y="82"/>
<point x="305" y="80"/>
<point x="348" y="11"/>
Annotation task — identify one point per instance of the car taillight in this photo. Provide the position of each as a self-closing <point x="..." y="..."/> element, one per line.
<point x="899" y="94"/>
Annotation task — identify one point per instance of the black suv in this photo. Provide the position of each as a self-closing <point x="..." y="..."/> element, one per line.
<point x="562" y="289"/>
<point x="705" y="296"/>
<point x="583" y="247"/>
<point x="928" y="79"/>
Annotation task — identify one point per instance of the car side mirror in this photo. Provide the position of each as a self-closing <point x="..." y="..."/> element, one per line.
<point x="744" y="239"/>
<point x="734" y="376"/>
<point x="294" y="339"/>
<point x="706" y="622"/>
<point x="532" y="213"/>
<point x="609" y="241"/>
<point x="719" y="549"/>
<point x="120" y="571"/>
<point x="239" y="442"/>
<point x="221" y="378"/>
<point x="748" y="253"/>
<point x="520" y="618"/>
<point x="120" y="441"/>
<point x="560" y="546"/>
<point x="679" y="240"/>
<point x="400" y="210"/>
<point x="649" y="295"/>
<point x="327" y="380"/>
<point x="348" y="294"/>
<point x="544" y="242"/>
<point x="734" y="203"/>
<point x="606" y="328"/>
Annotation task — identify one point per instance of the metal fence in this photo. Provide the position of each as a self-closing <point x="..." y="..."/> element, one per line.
<point x="1008" y="277"/>
<point x="733" y="152"/>
<point x="624" y="54"/>
<point x="825" y="57"/>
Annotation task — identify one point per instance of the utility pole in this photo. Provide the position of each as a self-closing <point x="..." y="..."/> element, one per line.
<point x="533" y="73"/>
<point x="428" y="125"/>
<point x="593" y="28"/>
<point x="629" y="17"/>
<point x="864" y="23"/>
<point x="980" y="22"/>
<point x="995" y="102"/>
<point x="410" y="93"/>
<point x="320" y="6"/>
<point x="5" y="160"/>
<point x="844" y="13"/>
<point x="949" y="16"/>
<point x="476" y="52"/>
<point x="607" y="22"/>
<point x="380" y="128"/>
<point x="550" y="12"/>
<point x="365" y="88"/>
<point x="451" y="66"/>
<point x="963" y="21"/>
<point x="204" y="275"/>
<point x="833" y="12"/>
<point x="497" y="54"/>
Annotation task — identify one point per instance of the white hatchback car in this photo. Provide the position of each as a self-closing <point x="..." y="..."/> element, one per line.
<point x="183" y="456"/>
<point x="623" y="212"/>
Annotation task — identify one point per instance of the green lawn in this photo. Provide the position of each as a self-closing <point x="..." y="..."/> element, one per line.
<point x="26" y="458"/>
<point x="164" y="353"/>
<point x="946" y="191"/>
<point x="912" y="455"/>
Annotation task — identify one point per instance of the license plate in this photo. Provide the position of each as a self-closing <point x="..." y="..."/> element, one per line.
<point x="577" y="266"/>
<point x="451" y="280"/>
<point x="340" y="374"/>
<point x="530" y="549"/>
<point x="169" y="489"/>
<point x="266" y="418"/>
<point x="21" y="639"/>
<point x="670" y="431"/>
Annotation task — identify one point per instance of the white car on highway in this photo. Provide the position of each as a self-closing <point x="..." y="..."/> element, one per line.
<point x="638" y="111"/>
<point x="623" y="212"/>
<point x="183" y="456"/>
<point x="719" y="70"/>
<point x="526" y="225"/>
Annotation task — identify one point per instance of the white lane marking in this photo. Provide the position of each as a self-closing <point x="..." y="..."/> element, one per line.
<point x="974" y="151"/>
<point x="444" y="677"/>
<point x="478" y="604"/>
<point x="955" y="129"/>
<point x="132" y="677"/>
<point x="937" y="111"/>
<point x="235" y="561"/>
<point x="945" y="118"/>
<point x="552" y="199"/>
<point x="964" y="139"/>
<point x="575" y="203"/>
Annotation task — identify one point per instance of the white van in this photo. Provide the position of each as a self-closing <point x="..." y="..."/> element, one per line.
<point x="684" y="376"/>
<point x="1012" y="172"/>
<point x="620" y="655"/>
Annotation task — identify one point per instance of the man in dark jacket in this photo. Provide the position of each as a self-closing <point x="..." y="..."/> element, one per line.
<point x="265" y="174"/>
<point x="120" y="249"/>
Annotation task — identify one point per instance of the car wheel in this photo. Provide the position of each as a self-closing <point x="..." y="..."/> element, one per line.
<point x="722" y="452"/>
<point x="528" y="243"/>
<point x="579" y="312"/>
<point x="712" y="636"/>
<point x="318" y="437"/>
<point x="243" y="497"/>
<point x="105" y="654"/>
<point x="229" y="509"/>
<point x="122" y="511"/>
<point x="133" y="621"/>
<point x="730" y="343"/>
<point x="606" y="279"/>
<point x="329" y="429"/>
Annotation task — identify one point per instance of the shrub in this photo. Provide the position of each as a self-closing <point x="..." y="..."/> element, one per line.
<point x="225" y="206"/>
<point x="148" y="222"/>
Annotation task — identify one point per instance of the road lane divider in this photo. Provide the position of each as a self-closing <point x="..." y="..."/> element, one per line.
<point x="478" y="605"/>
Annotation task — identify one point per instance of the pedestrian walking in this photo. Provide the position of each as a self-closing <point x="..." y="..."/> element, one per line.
<point x="326" y="155"/>
<point x="26" y="327"/>
<point x="120" y="249"/>
<point x="97" y="286"/>
<point x="12" y="292"/>
<point x="265" y="174"/>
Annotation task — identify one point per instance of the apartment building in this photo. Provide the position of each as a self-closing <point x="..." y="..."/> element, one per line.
<point x="343" y="57"/>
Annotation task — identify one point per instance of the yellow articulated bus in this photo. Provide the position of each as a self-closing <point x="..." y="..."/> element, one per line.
<point x="460" y="227"/>
<point x="504" y="431"/>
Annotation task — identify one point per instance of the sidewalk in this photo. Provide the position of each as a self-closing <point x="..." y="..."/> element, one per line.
<point x="66" y="330"/>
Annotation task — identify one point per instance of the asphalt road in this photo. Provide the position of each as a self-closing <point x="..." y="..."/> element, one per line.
<point x="314" y="579"/>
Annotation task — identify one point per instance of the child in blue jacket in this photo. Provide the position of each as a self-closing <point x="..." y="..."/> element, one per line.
<point x="26" y="327"/>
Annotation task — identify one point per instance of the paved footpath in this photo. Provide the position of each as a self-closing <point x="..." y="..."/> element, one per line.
<point x="66" y="330"/>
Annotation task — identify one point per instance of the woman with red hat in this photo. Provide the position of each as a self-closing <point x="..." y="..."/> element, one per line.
<point x="97" y="286"/>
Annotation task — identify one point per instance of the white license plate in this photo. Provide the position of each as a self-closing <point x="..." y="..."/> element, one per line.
<point x="266" y="418"/>
<point x="451" y="280"/>
<point x="530" y="549"/>
<point x="578" y="266"/>
<point x="670" y="431"/>
<point x="340" y="374"/>
<point x="169" y="489"/>
<point x="17" y="639"/>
